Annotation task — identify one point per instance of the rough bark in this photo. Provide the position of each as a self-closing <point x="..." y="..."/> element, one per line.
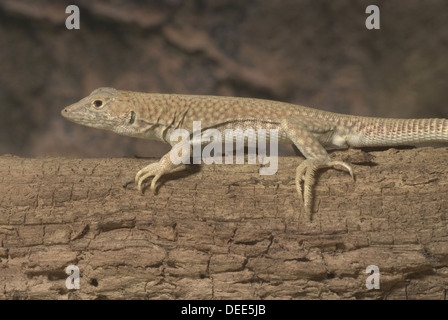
<point x="224" y="231"/>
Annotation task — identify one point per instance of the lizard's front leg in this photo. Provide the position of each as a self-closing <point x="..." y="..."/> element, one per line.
<point x="302" y="134"/>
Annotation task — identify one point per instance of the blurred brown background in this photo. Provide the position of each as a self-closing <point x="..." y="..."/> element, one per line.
<point x="309" y="52"/>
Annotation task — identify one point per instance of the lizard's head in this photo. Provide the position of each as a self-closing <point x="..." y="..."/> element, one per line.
<point x="102" y="109"/>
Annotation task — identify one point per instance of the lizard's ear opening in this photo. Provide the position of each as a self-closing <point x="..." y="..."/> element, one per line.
<point x="132" y="120"/>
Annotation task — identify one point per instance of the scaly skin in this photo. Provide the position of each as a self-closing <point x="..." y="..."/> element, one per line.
<point x="155" y="116"/>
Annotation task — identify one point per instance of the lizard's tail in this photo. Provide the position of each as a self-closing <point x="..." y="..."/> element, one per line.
<point x="377" y="132"/>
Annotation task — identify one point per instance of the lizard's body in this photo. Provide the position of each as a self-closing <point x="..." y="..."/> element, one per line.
<point x="155" y="116"/>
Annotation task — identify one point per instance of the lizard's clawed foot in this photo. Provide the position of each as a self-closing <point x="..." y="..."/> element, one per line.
<point x="150" y="170"/>
<point x="305" y="174"/>
<point x="158" y="169"/>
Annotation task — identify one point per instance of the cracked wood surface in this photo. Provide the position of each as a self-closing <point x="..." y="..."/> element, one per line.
<point x="224" y="231"/>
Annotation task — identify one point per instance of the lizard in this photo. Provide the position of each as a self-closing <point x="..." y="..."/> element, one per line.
<point x="312" y="131"/>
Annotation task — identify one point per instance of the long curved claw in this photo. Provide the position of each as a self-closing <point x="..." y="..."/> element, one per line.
<point x="344" y="165"/>
<point x="305" y="174"/>
<point x="153" y="183"/>
<point x="141" y="180"/>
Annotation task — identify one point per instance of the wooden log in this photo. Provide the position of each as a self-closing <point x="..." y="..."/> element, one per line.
<point x="224" y="231"/>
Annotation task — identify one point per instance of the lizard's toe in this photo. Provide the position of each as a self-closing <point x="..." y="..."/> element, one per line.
<point x="344" y="165"/>
<point x="305" y="174"/>
<point x="146" y="172"/>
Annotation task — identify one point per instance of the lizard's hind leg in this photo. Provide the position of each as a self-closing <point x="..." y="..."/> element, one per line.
<point x="304" y="134"/>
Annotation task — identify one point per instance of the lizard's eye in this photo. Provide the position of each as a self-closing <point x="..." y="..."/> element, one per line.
<point x="98" y="103"/>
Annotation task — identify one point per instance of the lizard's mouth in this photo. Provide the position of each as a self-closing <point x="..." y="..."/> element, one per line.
<point x="73" y="115"/>
<point x="76" y="114"/>
<point x="70" y="114"/>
